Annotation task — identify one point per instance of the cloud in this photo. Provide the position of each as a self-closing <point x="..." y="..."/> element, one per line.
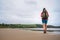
<point x="28" y="11"/>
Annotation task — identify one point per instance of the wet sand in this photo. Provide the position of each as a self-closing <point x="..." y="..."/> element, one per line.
<point x="20" y="34"/>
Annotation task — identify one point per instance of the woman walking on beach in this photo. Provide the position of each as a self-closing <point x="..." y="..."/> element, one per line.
<point x="44" y="16"/>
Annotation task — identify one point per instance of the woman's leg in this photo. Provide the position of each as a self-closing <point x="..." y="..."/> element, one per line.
<point x="44" y="25"/>
<point x="44" y="28"/>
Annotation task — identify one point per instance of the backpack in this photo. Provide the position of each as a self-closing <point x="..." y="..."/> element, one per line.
<point x="44" y="15"/>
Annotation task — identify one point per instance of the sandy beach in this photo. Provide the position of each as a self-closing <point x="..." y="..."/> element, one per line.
<point x="19" y="34"/>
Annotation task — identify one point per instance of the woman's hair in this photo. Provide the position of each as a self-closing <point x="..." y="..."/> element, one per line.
<point x="44" y="9"/>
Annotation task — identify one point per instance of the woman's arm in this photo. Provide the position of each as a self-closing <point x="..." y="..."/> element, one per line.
<point x="47" y="14"/>
<point x="41" y="14"/>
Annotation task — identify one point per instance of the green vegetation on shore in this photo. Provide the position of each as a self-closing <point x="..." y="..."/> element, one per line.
<point x="25" y="26"/>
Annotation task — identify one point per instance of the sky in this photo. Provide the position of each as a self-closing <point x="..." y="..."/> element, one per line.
<point x="29" y="11"/>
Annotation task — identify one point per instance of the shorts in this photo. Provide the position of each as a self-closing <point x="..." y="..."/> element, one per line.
<point x="44" y="21"/>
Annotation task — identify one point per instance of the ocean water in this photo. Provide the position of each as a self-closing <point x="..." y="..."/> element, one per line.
<point x="51" y="30"/>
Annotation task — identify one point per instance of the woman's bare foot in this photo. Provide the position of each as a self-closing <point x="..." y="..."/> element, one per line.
<point x="44" y="31"/>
